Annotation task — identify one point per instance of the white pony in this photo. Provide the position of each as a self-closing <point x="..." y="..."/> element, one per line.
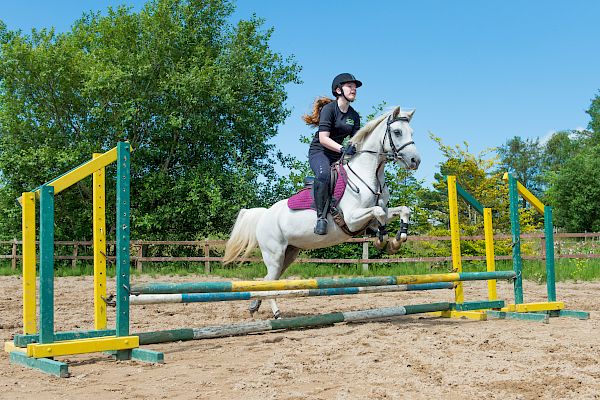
<point x="281" y="233"/>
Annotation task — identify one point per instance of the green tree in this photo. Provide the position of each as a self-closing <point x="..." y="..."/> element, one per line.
<point x="479" y="175"/>
<point x="197" y="98"/>
<point x="561" y="147"/>
<point x="575" y="192"/>
<point x="523" y="159"/>
<point x="594" y="125"/>
<point x="572" y="160"/>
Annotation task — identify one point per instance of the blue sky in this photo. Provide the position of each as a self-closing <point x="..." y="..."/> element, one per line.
<point x="476" y="71"/>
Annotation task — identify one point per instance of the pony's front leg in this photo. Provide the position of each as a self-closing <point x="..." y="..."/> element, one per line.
<point x="360" y="217"/>
<point x="402" y="235"/>
<point x="382" y="234"/>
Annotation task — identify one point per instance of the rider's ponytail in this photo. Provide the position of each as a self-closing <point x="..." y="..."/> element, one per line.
<point x="313" y="119"/>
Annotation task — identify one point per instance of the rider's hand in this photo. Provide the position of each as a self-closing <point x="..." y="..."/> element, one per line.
<point x="349" y="150"/>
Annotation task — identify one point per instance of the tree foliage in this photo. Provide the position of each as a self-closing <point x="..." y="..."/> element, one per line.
<point x="594" y="125"/>
<point x="575" y="192"/>
<point x="197" y="98"/>
<point x="560" y="148"/>
<point x="523" y="159"/>
<point x="479" y="175"/>
<point x="574" y="189"/>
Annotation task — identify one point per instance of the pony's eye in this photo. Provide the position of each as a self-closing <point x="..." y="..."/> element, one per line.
<point x="398" y="132"/>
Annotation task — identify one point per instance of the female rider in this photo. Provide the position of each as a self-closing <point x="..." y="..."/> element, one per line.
<point x="336" y="120"/>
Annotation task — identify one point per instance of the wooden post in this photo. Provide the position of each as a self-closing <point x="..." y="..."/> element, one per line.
<point x="550" y="270"/>
<point x="74" y="260"/>
<point x="206" y="254"/>
<point x="543" y="246"/>
<point x="29" y="264"/>
<point x="14" y="254"/>
<point x="489" y="252"/>
<point x="513" y="195"/>
<point x="99" y="245"/>
<point x="46" y="298"/>
<point x="455" y="236"/>
<point x="365" y="255"/>
<point x="140" y="254"/>
<point x="122" y="247"/>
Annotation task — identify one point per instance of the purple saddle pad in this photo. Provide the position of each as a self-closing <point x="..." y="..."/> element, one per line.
<point x="303" y="200"/>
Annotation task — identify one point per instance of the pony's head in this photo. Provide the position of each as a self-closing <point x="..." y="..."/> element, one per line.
<point x="390" y="134"/>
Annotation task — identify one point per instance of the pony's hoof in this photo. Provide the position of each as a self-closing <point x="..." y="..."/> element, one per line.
<point x="254" y="306"/>
<point x="379" y="245"/>
<point x="277" y="315"/>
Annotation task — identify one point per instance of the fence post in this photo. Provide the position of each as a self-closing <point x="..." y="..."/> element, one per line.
<point x="365" y="255"/>
<point x="543" y="246"/>
<point x="74" y="260"/>
<point x="140" y="254"/>
<point x="206" y="254"/>
<point x="14" y="254"/>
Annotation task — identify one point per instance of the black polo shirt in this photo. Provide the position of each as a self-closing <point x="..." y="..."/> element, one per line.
<point x="339" y="125"/>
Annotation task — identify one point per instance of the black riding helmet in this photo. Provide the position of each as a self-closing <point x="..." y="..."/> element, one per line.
<point x="339" y="80"/>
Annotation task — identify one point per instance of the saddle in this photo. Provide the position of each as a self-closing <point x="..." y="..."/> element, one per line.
<point x="304" y="199"/>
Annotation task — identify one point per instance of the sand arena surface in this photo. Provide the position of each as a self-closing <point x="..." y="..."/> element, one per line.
<point x="413" y="357"/>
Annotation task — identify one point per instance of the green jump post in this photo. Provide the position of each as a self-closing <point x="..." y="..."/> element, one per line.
<point x="46" y="264"/>
<point x="513" y="196"/>
<point x="550" y="273"/>
<point x="123" y="237"/>
<point x="469" y="199"/>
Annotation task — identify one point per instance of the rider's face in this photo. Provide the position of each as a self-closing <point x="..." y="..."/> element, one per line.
<point x="349" y="89"/>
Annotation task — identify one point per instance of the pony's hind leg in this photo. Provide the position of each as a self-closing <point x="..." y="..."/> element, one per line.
<point x="276" y="263"/>
<point x="291" y="253"/>
<point x="273" y="259"/>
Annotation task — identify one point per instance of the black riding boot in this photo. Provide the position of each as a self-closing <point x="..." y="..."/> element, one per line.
<point x="322" y="205"/>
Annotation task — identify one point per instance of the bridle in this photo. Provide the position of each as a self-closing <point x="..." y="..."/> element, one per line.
<point x="396" y="152"/>
<point x="394" y="155"/>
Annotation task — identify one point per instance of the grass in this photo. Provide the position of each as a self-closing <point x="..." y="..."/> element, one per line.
<point x="566" y="269"/>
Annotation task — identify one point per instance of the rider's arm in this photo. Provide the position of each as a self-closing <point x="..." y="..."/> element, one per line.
<point x="328" y="142"/>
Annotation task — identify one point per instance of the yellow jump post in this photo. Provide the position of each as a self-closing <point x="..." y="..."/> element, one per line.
<point x="454" y="190"/>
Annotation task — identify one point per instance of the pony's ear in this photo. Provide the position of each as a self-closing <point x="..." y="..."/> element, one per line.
<point x="410" y="114"/>
<point x="396" y="112"/>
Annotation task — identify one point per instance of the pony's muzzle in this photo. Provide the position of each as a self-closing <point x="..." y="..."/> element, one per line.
<point x="414" y="162"/>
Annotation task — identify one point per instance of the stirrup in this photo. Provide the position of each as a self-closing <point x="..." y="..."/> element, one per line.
<point x="321" y="226"/>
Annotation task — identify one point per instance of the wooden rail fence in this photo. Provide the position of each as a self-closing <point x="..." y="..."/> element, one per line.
<point x="137" y="251"/>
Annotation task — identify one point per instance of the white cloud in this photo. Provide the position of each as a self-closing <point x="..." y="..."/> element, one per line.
<point x="544" y="139"/>
<point x="573" y="135"/>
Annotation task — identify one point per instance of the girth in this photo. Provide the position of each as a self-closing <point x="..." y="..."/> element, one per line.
<point x="336" y="213"/>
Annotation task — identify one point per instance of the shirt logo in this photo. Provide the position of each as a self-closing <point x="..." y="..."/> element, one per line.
<point x="349" y="121"/>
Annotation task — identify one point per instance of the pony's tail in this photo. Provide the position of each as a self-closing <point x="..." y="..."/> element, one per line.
<point x="313" y="118"/>
<point x="243" y="234"/>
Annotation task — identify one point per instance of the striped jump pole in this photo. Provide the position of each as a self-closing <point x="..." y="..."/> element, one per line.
<point x="286" y="323"/>
<point x="276" y="294"/>
<point x="318" y="283"/>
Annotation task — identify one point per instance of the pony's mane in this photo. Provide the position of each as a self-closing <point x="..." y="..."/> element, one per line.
<point x="366" y="130"/>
